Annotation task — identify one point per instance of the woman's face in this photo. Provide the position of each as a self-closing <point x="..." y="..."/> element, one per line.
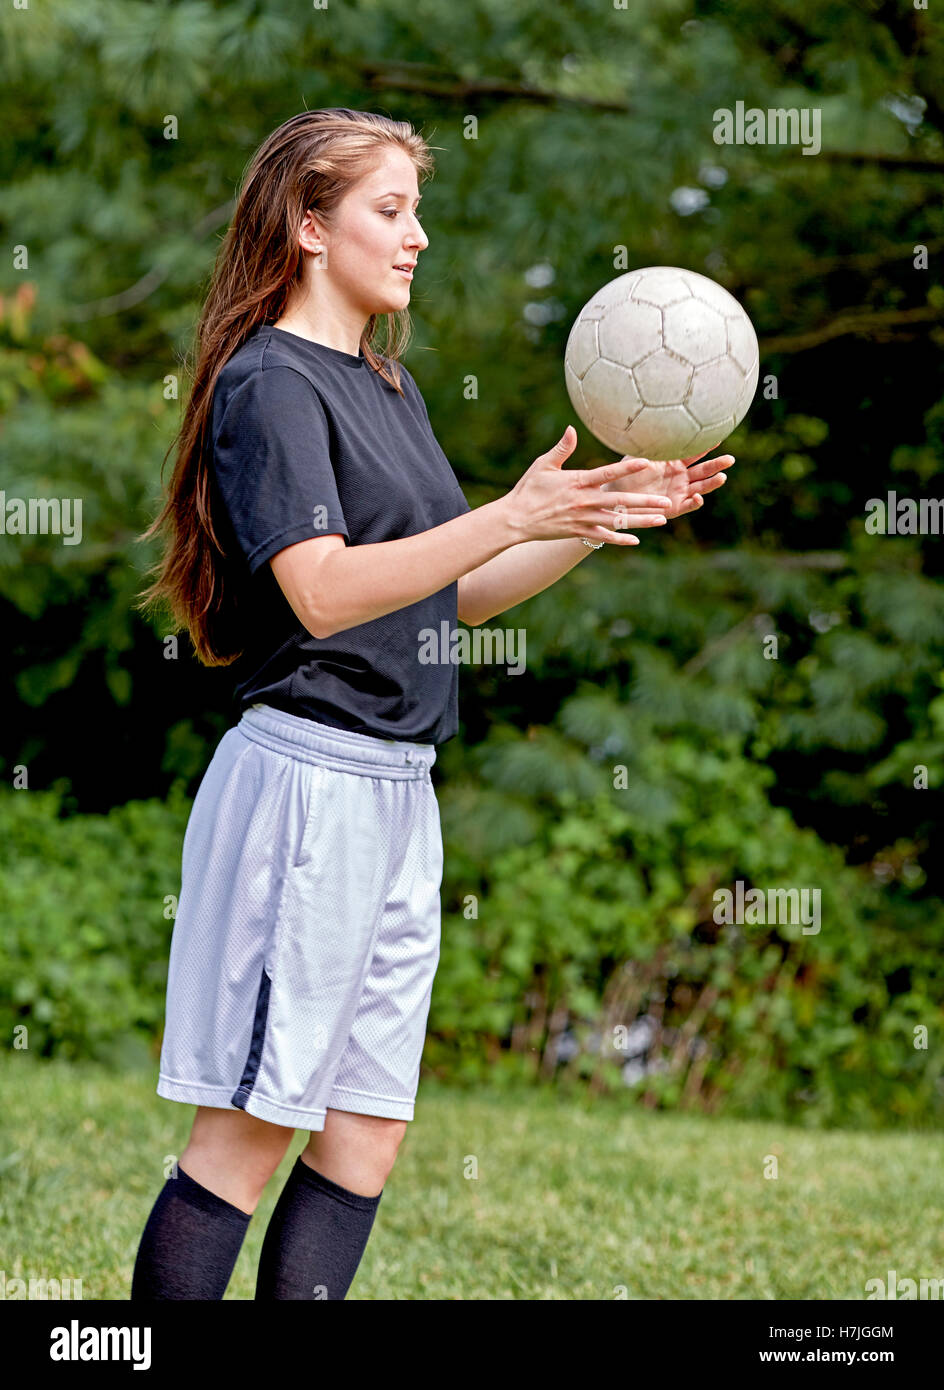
<point x="376" y="228"/>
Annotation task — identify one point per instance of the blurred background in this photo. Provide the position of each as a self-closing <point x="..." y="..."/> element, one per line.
<point x="580" y="954"/>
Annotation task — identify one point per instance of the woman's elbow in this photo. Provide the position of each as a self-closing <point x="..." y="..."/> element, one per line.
<point x="318" y="625"/>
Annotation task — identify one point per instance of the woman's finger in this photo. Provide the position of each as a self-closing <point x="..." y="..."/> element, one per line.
<point x="712" y="484"/>
<point x="625" y="517"/>
<point x="601" y="533"/>
<point x="612" y="472"/>
<point x="637" y="500"/>
<point x="639" y="465"/>
<point x="630" y="518"/>
<point x="693" y="505"/>
<point x="710" y="466"/>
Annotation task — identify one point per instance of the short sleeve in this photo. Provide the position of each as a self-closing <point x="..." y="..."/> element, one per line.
<point x="272" y="464"/>
<point x="462" y="505"/>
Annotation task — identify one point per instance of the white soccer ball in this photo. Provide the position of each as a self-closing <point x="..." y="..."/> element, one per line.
<point x="661" y="363"/>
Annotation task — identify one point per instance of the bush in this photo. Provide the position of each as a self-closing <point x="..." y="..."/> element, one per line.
<point x="592" y="951"/>
<point x="587" y="954"/>
<point x="89" y="904"/>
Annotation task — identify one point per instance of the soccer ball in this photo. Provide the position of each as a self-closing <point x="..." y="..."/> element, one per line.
<point x="661" y="363"/>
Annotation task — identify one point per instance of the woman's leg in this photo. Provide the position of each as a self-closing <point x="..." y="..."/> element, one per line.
<point x="197" y="1224"/>
<point x="234" y="1154"/>
<point x="357" y="1151"/>
<point x="324" y="1215"/>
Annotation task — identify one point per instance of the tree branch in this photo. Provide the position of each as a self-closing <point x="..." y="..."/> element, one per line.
<point x="880" y="324"/>
<point x="883" y="160"/>
<point x="861" y="260"/>
<point x="426" y="80"/>
<point x="721" y="644"/>
<point x="139" y="291"/>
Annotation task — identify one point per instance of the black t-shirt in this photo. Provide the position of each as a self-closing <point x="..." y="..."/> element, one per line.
<point x="310" y="441"/>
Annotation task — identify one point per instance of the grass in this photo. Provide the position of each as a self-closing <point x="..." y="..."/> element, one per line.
<point x="571" y="1201"/>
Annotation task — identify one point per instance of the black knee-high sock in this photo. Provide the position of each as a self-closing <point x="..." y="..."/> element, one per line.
<point x="189" y="1245"/>
<point x="315" y="1238"/>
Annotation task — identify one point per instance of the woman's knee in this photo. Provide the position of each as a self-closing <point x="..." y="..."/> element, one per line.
<point x="234" y="1154"/>
<point x="357" y="1151"/>
<point x="367" y="1134"/>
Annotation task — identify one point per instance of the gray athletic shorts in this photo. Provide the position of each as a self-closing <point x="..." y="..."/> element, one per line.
<point x="308" y="925"/>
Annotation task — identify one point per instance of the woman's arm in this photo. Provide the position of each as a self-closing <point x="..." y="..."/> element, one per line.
<point x="518" y="573"/>
<point x="523" y="571"/>
<point x="332" y="586"/>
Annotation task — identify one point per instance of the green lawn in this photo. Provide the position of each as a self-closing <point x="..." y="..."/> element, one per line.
<point x="571" y="1201"/>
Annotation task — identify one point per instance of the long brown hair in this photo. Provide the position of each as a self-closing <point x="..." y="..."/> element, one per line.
<point x="311" y="161"/>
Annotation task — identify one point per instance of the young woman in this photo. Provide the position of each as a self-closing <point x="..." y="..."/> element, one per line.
<point x="315" y="529"/>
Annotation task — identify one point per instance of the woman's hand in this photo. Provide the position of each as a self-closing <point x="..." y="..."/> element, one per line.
<point x="676" y="479"/>
<point x="549" y="504"/>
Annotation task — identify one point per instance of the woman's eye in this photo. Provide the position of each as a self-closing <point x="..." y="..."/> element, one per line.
<point x="394" y="212"/>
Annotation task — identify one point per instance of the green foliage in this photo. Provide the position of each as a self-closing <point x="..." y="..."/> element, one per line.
<point x="606" y="918"/>
<point x="89" y="904"/>
<point x="602" y="917"/>
<point x="820" y="762"/>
